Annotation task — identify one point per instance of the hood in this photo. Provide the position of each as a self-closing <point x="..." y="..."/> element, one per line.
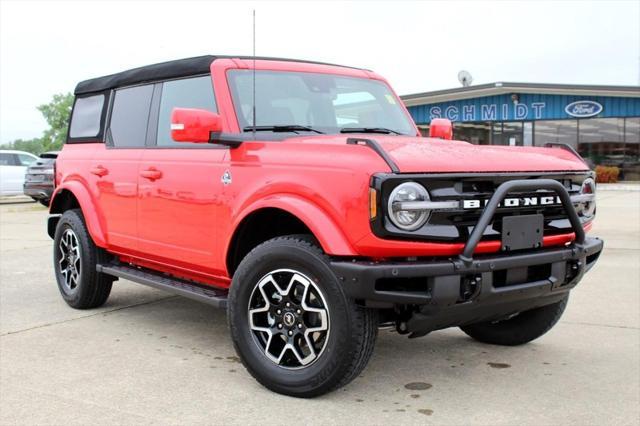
<point x="437" y="155"/>
<point x="420" y="155"/>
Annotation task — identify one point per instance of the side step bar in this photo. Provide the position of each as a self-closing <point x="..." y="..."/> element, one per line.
<point x="211" y="296"/>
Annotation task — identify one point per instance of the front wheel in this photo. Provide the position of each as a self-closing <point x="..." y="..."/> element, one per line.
<point x="75" y="257"/>
<point x="292" y="325"/>
<point x="519" y="329"/>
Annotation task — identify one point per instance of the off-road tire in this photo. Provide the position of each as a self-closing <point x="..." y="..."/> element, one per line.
<point x="352" y="328"/>
<point x="92" y="288"/>
<point x="520" y="329"/>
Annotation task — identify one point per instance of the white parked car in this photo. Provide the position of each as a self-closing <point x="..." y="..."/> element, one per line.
<point x="13" y="166"/>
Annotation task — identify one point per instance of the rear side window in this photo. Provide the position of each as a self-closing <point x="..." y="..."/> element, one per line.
<point x="7" y="159"/>
<point x="25" y="160"/>
<point x="194" y="92"/>
<point x="129" y="116"/>
<point x="87" y="117"/>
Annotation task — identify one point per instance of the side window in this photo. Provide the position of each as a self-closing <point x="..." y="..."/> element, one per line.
<point x="25" y="160"/>
<point x="85" y="120"/>
<point x="6" y="159"/>
<point x="129" y="116"/>
<point x="194" y="92"/>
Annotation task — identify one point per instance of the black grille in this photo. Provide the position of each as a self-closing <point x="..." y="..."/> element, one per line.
<point x="457" y="225"/>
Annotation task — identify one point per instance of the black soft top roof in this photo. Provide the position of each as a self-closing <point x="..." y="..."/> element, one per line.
<point x="161" y="71"/>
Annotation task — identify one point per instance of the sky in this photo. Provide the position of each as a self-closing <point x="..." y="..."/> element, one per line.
<point x="47" y="47"/>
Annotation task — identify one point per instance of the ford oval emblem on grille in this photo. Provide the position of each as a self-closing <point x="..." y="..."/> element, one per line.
<point x="583" y="109"/>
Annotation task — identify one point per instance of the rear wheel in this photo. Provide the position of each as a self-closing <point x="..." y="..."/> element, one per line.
<point x="519" y="329"/>
<point x="292" y="325"/>
<point x="75" y="257"/>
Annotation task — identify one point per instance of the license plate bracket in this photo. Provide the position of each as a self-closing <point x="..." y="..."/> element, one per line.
<point x="35" y="178"/>
<point x="522" y="232"/>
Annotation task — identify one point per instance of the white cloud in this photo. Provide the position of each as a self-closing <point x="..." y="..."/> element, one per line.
<point x="47" y="47"/>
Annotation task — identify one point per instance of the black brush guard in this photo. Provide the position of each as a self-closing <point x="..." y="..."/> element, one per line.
<point x="468" y="289"/>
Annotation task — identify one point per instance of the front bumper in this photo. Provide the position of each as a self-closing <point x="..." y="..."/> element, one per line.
<point x="452" y="292"/>
<point x="466" y="289"/>
<point x="448" y="282"/>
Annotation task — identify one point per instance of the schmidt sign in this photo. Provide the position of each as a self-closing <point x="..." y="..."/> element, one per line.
<point x="506" y="109"/>
<point x="489" y="112"/>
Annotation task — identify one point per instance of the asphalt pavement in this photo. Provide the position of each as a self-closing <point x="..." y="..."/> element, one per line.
<point x="149" y="357"/>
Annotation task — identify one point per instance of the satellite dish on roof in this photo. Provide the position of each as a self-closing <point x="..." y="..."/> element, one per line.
<point x="464" y="77"/>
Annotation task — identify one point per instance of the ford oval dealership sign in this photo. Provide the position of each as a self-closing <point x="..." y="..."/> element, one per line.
<point x="582" y="109"/>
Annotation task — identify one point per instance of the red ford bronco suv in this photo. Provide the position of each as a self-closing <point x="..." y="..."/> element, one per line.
<point x="301" y="197"/>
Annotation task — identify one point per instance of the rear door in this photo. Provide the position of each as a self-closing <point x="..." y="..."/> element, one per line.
<point x="180" y="184"/>
<point x="114" y="167"/>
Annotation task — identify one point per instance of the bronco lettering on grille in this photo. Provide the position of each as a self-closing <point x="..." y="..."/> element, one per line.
<point x="548" y="200"/>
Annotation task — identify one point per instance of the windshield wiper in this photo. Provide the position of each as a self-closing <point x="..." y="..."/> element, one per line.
<point x="369" y="130"/>
<point x="282" y="128"/>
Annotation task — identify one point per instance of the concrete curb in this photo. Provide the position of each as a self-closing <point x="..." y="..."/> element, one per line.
<point x="624" y="186"/>
<point x="15" y="199"/>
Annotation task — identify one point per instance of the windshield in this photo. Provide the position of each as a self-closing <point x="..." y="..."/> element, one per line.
<point x="326" y="103"/>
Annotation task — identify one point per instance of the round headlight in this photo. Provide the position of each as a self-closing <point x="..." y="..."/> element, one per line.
<point x="408" y="219"/>
<point x="588" y="208"/>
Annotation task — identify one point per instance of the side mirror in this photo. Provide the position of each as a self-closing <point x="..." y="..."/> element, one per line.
<point x="441" y="128"/>
<point x="194" y="125"/>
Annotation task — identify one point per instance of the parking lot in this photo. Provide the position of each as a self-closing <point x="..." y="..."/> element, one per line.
<point x="149" y="357"/>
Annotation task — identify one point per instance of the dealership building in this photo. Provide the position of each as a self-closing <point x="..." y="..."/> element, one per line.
<point x="601" y="122"/>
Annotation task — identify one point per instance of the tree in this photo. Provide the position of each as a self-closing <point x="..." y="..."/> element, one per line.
<point x="33" y="146"/>
<point x="56" y="113"/>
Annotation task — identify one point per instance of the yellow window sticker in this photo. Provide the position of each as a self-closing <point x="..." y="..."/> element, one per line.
<point x="390" y="99"/>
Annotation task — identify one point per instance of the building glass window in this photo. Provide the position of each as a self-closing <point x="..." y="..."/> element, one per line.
<point x="527" y="134"/>
<point x="476" y="133"/>
<point x="496" y="134"/>
<point x="613" y="142"/>
<point x="556" y="131"/>
<point x="602" y="141"/>
<point x="512" y="133"/>
<point x="631" y="163"/>
<point x="632" y="129"/>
